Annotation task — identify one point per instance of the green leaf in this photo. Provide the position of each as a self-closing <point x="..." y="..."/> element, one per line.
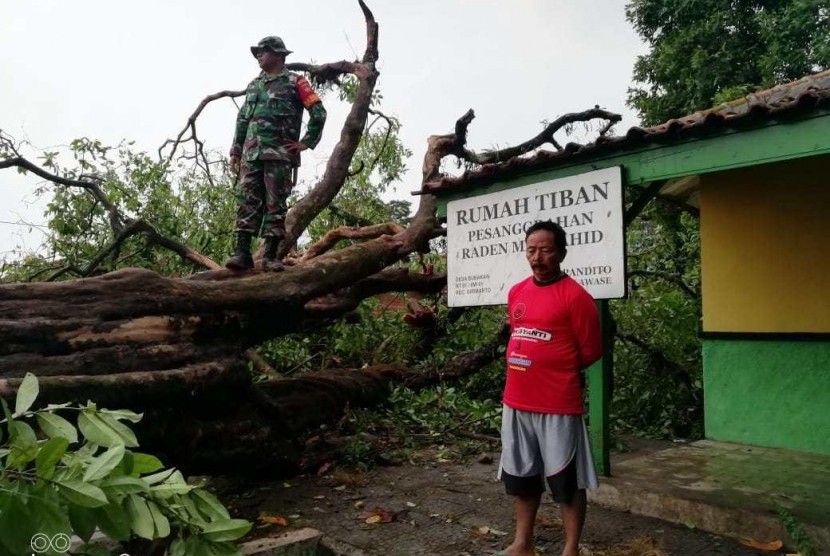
<point x="127" y="463"/>
<point x="184" y="505"/>
<point x="96" y="431"/>
<point x="226" y="529"/>
<point x="103" y="464"/>
<point x="160" y="522"/>
<point x="156" y="478"/>
<point x="6" y="412"/>
<point x="145" y="463"/>
<point x="16" y="524"/>
<point x="49" y="517"/>
<point x="83" y="494"/>
<point x="124" y="414"/>
<point x="26" y="394"/>
<point x="166" y="490"/>
<point x="123" y="431"/>
<point x="141" y="520"/>
<point x="113" y="521"/>
<point x="49" y="455"/>
<point x="124" y="485"/>
<point x="22" y="444"/>
<point x="209" y="505"/>
<point x="179" y="548"/>
<point x="56" y="426"/>
<point x="84" y="521"/>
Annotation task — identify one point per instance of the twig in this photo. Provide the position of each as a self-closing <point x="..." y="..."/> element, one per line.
<point x="260" y="364"/>
<point x="191" y="123"/>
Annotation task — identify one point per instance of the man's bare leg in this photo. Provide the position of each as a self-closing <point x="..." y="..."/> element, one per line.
<point x="573" y="517"/>
<point x="525" y="508"/>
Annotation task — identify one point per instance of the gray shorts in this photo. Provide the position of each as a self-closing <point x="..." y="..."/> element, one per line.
<point x="541" y="451"/>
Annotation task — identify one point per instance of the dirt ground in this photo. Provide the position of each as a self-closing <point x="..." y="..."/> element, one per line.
<point x="433" y="507"/>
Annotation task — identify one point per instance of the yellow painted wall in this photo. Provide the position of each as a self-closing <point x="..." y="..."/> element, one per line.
<point x="765" y="248"/>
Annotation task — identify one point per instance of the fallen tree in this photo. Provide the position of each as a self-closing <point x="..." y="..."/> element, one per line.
<point x="176" y="347"/>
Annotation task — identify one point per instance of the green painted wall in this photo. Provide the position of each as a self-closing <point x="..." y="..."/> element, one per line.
<point x="768" y="393"/>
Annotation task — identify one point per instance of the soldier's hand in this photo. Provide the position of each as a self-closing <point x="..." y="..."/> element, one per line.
<point x="294" y="147"/>
<point x="235" y="164"/>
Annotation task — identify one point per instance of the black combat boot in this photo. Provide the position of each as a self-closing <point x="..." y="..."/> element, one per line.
<point x="270" y="263"/>
<point x="241" y="258"/>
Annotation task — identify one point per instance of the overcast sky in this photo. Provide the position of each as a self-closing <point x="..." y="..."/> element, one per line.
<point x="115" y="70"/>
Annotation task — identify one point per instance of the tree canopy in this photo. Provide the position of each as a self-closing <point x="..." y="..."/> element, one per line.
<point x="706" y="51"/>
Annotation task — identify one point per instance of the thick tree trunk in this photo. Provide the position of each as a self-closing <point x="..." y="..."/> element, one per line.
<point x="172" y="348"/>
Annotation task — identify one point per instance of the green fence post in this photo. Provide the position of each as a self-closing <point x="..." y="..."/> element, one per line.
<point x="599" y="394"/>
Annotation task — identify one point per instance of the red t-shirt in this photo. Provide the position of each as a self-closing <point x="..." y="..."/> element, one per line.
<point x="554" y="334"/>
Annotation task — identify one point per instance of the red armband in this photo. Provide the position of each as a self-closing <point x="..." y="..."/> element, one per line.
<point x="307" y="95"/>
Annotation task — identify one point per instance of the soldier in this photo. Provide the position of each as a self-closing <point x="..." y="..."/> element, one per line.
<point x="266" y="149"/>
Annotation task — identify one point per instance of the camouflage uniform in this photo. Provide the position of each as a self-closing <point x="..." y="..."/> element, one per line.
<point x="270" y="117"/>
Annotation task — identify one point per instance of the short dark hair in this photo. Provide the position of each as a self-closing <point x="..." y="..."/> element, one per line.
<point x="560" y="238"/>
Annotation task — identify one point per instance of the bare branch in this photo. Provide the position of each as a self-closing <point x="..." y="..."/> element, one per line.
<point x="545" y="136"/>
<point x="260" y="364"/>
<point x="346" y="232"/>
<point x="337" y="168"/>
<point x="389" y="127"/>
<point x="122" y="226"/>
<point x="327" y="73"/>
<point x="371" y="54"/>
<point x="191" y="124"/>
<point x="115" y="217"/>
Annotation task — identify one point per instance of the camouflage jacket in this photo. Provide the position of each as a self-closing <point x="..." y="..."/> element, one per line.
<point x="273" y="114"/>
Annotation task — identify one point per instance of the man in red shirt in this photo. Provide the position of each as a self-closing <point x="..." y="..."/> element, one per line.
<point x="555" y="335"/>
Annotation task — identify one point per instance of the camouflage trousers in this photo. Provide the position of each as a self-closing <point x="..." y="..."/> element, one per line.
<point x="261" y="193"/>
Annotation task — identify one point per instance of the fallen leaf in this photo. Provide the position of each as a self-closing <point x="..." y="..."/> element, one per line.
<point x="484" y="530"/>
<point x="341" y="487"/>
<point x="274" y="520"/>
<point x="771" y="546"/>
<point x="359" y="504"/>
<point x="411" y="505"/>
<point x="378" y="515"/>
<point x="319" y="496"/>
<point x="323" y="468"/>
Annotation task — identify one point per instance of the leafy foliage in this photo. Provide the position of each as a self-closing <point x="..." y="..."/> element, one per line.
<point x="59" y="478"/>
<point x="657" y="374"/>
<point x="706" y="51"/>
<point x="180" y="204"/>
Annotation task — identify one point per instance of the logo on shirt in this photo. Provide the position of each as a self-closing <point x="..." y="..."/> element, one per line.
<point x="519" y="361"/>
<point x="532" y="334"/>
<point x="519" y="310"/>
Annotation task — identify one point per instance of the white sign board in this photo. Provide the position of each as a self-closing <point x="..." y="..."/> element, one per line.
<point x="486" y="236"/>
